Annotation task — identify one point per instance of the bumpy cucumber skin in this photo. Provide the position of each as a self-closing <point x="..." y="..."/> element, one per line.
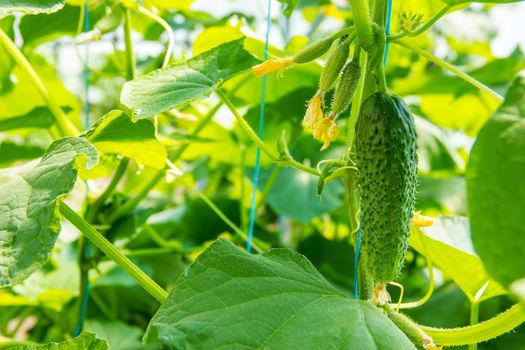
<point x="346" y="88"/>
<point x="387" y="162"/>
<point x="334" y="65"/>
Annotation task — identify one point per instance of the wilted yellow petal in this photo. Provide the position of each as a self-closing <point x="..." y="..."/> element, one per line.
<point x="314" y="112"/>
<point x="271" y="65"/>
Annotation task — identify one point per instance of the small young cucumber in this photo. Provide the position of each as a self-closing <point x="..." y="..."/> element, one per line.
<point x="334" y="64"/>
<point x="387" y="161"/>
<point x="344" y="91"/>
<point x="313" y="51"/>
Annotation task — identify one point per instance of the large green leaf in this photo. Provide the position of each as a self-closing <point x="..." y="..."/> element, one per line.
<point x="28" y="217"/>
<point x="117" y="133"/>
<point x="30" y="6"/>
<point x="276" y="300"/>
<point x="85" y="341"/>
<point x="496" y="188"/>
<point x="447" y="244"/>
<point x="191" y="80"/>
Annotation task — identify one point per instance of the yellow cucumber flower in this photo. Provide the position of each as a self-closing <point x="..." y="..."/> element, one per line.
<point x="272" y="65"/>
<point x="422" y="220"/>
<point x="314" y="112"/>
<point x="326" y="130"/>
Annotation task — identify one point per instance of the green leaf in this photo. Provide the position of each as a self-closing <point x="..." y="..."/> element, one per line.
<point x="119" y="335"/>
<point x="496" y="189"/>
<point x="38" y="117"/>
<point x="30" y="6"/>
<point x="447" y="244"/>
<point x="117" y="133"/>
<point x="188" y="81"/>
<point x="28" y="217"/>
<point x="85" y="341"/>
<point x="275" y="300"/>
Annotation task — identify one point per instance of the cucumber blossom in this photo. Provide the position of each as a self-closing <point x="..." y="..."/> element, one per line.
<point x="344" y="91"/>
<point x="334" y="64"/>
<point x="387" y="162"/>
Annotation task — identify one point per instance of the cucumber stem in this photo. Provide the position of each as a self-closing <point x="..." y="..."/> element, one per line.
<point x="65" y="126"/>
<point x="110" y="250"/>
<point x="363" y="27"/>
<point x="443" y="64"/>
<point x="492" y="328"/>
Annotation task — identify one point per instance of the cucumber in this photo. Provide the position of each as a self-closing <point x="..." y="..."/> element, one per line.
<point x="334" y="65"/>
<point x="387" y="162"/>
<point x="344" y="92"/>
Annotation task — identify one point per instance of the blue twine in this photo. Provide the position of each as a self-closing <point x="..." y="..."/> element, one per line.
<point x="256" y="170"/>
<point x="387" y="27"/>
<point x="356" y="262"/>
<point x="360" y="231"/>
<point x="83" y="309"/>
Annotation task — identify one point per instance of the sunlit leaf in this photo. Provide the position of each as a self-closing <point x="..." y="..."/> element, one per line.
<point x="117" y="133"/>
<point x="194" y="79"/>
<point x="447" y="244"/>
<point x="30" y="6"/>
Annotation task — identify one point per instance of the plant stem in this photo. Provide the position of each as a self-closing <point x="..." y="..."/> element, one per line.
<point x="253" y="136"/>
<point x="496" y="326"/>
<point x="357" y="101"/>
<point x="424" y="26"/>
<point x="450" y="67"/>
<point x="363" y="28"/>
<point x="132" y="203"/>
<point x="226" y="220"/>
<point x="474" y="318"/>
<point x="65" y="126"/>
<point x="130" y="55"/>
<point x="167" y="28"/>
<point x="268" y="186"/>
<point x="110" y="250"/>
<point x="119" y="173"/>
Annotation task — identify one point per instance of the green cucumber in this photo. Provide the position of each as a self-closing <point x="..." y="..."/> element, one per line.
<point x="387" y="162"/>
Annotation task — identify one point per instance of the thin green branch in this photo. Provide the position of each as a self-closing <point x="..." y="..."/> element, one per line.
<point x="167" y="28"/>
<point x="492" y="328"/>
<point x="246" y="127"/>
<point x="132" y="203"/>
<point x="253" y="136"/>
<point x="357" y="101"/>
<point x="227" y="221"/>
<point x="128" y="42"/>
<point x="425" y="26"/>
<point x="110" y="250"/>
<point x="450" y="67"/>
<point x="65" y="126"/>
<point x="119" y="173"/>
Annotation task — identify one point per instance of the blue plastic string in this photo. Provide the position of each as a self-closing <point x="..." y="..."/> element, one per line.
<point x="256" y="170"/>
<point x="387" y="27"/>
<point x="360" y="231"/>
<point x="83" y="309"/>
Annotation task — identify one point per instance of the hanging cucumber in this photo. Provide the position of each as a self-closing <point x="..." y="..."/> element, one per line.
<point x="387" y="162"/>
